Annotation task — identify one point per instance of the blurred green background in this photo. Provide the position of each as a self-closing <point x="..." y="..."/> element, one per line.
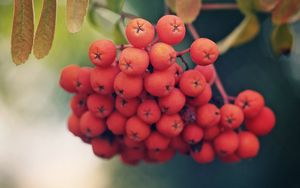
<point x="37" y="151"/>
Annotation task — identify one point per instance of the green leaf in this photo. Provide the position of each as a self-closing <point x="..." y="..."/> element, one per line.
<point x="282" y="39"/>
<point x="118" y="34"/>
<point x="287" y="11"/>
<point x="188" y="10"/>
<point x="22" y="31"/>
<point x="246" y="6"/>
<point x="243" y="33"/>
<point x="115" y="5"/>
<point x="171" y="4"/>
<point x="76" y="11"/>
<point x="265" y="5"/>
<point x="45" y="31"/>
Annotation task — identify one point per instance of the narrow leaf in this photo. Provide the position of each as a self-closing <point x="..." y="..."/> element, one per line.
<point x="188" y="10"/>
<point x="287" y="11"/>
<point x="76" y="11"/>
<point x="118" y="34"/>
<point x="246" y="6"/>
<point x="171" y="4"/>
<point x="282" y="39"/>
<point x="115" y="5"/>
<point x="265" y="5"/>
<point x="243" y="33"/>
<point x="45" y="31"/>
<point x="22" y="31"/>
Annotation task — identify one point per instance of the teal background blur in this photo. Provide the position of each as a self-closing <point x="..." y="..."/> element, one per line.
<point x="37" y="151"/>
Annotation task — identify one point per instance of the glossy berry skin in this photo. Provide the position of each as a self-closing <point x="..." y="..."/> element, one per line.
<point x="204" y="51"/>
<point x="210" y="133"/>
<point x="100" y="105"/>
<point x="139" y="32"/>
<point x="83" y="84"/>
<point x="170" y="29"/>
<point x="116" y="123"/>
<point x="148" y="111"/>
<point x="226" y="143"/>
<point x="172" y="103"/>
<point x="201" y="99"/>
<point x="233" y="158"/>
<point x="157" y="141"/>
<point x="104" y="148"/>
<point x="251" y="102"/>
<point x="207" y="71"/>
<point x="136" y="129"/>
<point x="78" y="104"/>
<point x="91" y="126"/>
<point x="162" y="56"/>
<point x="248" y="145"/>
<point x="102" y="79"/>
<point x="178" y="144"/>
<point x="232" y="116"/>
<point x="127" y="107"/>
<point x="159" y="84"/>
<point x="204" y="154"/>
<point x="192" y="134"/>
<point x="128" y="86"/>
<point x="73" y="125"/>
<point x="208" y="115"/>
<point x="133" y="61"/>
<point x="102" y="53"/>
<point x="192" y="83"/>
<point x="263" y="123"/>
<point x="170" y="125"/>
<point x="68" y="77"/>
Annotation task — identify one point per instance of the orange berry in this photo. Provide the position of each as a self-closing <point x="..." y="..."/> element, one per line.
<point x="136" y="129"/>
<point x="192" y="83"/>
<point x="104" y="148"/>
<point x="102" y="53"/>
<point x="162" y="56"/>
<point x="127" y="107"/>
<point x="159" y="83"/>
<point x="204" y="51"/>
<point x="231" y="116"/>
<point x="116" y="123"/>
<point x="201" y="99"/>
<point x="148" y="111"/>
<point x="208" y="115"/>
<point x="68" y="77"/>
<point x="170" y="125"/>
<point x="128" y="86"/>
<point x="172" y="103"/>
<point x="73" y="125"/>
<point x="100" y="105"/>
<point x="91" y="126"/>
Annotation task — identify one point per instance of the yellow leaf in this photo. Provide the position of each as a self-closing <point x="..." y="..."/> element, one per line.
<point x="171" y="4"/>
<point x="282" y="39"/>
<point x="265" y="5"/>
<point x="188" y="10"/>
<point x="45" y="31"/>
<point x="287" y="11"/>
<point x="76" y="11"/>
<point x="22" y="31"/>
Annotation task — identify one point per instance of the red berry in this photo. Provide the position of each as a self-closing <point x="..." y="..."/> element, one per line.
<point x="128" y="86"/>
<point x="102" y="53"/>
<point x="226" y="143"/>
<point x="100" y="105"/>
<point x="73" y="125"/>
<point x="204" y="51"/>
<point x="83" y="84"/>
<point x="127" y="107"/>
<point x="161" y="156"/>
<point x="175" y="70"/>
<point x="170" y="29"/>
<point x="78" y="104"/>
<point x="192" y="83"/>
<point x="231" y="116"/>
<point x="178" y="144"/>
<point x="170" y="125"/>
<point x="233" y="158"/>
<point x="251" y="102"/>
<point x="204" y="154"/>
<point x="263" y="123"/>
<point x="133" y="61"/>
<point x="131" y="156"/>
<point x="148" y="111"/>
<point x="91" y="126"/>
<point x="248" y="145"/>
<point x="68" y="77"/>
<point x="192" y="134"/>
<point x="162" y="56"/>
<point x="172" y="103"/>
<point x="159" y="84"/>
<point x="208" y="72"/>
<point x="208" y="115"/>
<point x="104" y="148"/>
<point x="116" y="123"/>
<point x="139" y="32"/>
<point x="201" y="99"/>
<point x="210" y="133"/>
<point x="157" y="141"/>
<point x="129" y="143"/>
<point x="136" y="129"/>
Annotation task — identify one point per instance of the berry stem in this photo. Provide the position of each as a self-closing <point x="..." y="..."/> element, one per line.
<point x="219" y="6"/>
<point x="181" y="53"/>
<point x="184" y="62"/>
<point x="123" y="46"/>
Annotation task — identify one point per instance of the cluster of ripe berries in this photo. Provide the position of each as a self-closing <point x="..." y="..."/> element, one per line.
<point x="139" y="102"/>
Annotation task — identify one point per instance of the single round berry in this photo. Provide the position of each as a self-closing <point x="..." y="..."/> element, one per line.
<point x="170" y="125"/>
<point x="231" y="116"/>
<point x="116" y="123"/>
<point x="208" y="72"/>
<point x="139" y="32"/>
<point x="73" y="125"/>
<point x="263" y="123"/>
<point x="127" y="107"/>
<point x="148" y="111"/>
<point x="233" y="158"/>
<point x="159" y="84"/>
<point x="102" y="79"/>
<point x="170" y="29"/>
<point x="251" y="102"/>
<point x="161" y="156"/>
<point x="128" y="86"/>
<point x="100" y="105"/>
<point x="83" y="84"/>
<point x="131" y="156"/>
<point x="192" y="83"/>
<point x="68" y="77"/>
<point x="136" y="129"/>
<point x="203" y="153"/>
<point x="210" y="133"/>
<point x="226" y="143"/>
<point x="162" y="56"/>
<point x="78" y="104"/>
<point x="133" y="61"/>
<point x="157" y="141"/>
<point x="204" y="51"/>
<point x="201" y="99"/>
<point x="102" y="53"/>
<point x="192" y="134"/>
<point x="248" y="145"/>
<point x="208" y="115"/>
<point x="178" y="144"/>
<point x="91" y="126"/>
<point x="172" y="103"/>
<point x="175" y="70"/>
<point x="104" y="148"/>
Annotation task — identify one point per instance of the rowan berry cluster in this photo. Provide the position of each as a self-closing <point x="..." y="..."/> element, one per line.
<point x="137" y="101"/>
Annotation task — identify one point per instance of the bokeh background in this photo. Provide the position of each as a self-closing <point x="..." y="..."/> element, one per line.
<point x="36" y="151"/>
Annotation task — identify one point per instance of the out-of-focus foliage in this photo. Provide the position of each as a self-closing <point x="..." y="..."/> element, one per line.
<point x="188" y="10"/>
<point x="76" y="11"/>
<point x="282" y="39"/>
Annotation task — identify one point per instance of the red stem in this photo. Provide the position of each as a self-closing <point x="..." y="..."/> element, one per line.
<point x="219" y="6"/>
<point x="181" y="53"/>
